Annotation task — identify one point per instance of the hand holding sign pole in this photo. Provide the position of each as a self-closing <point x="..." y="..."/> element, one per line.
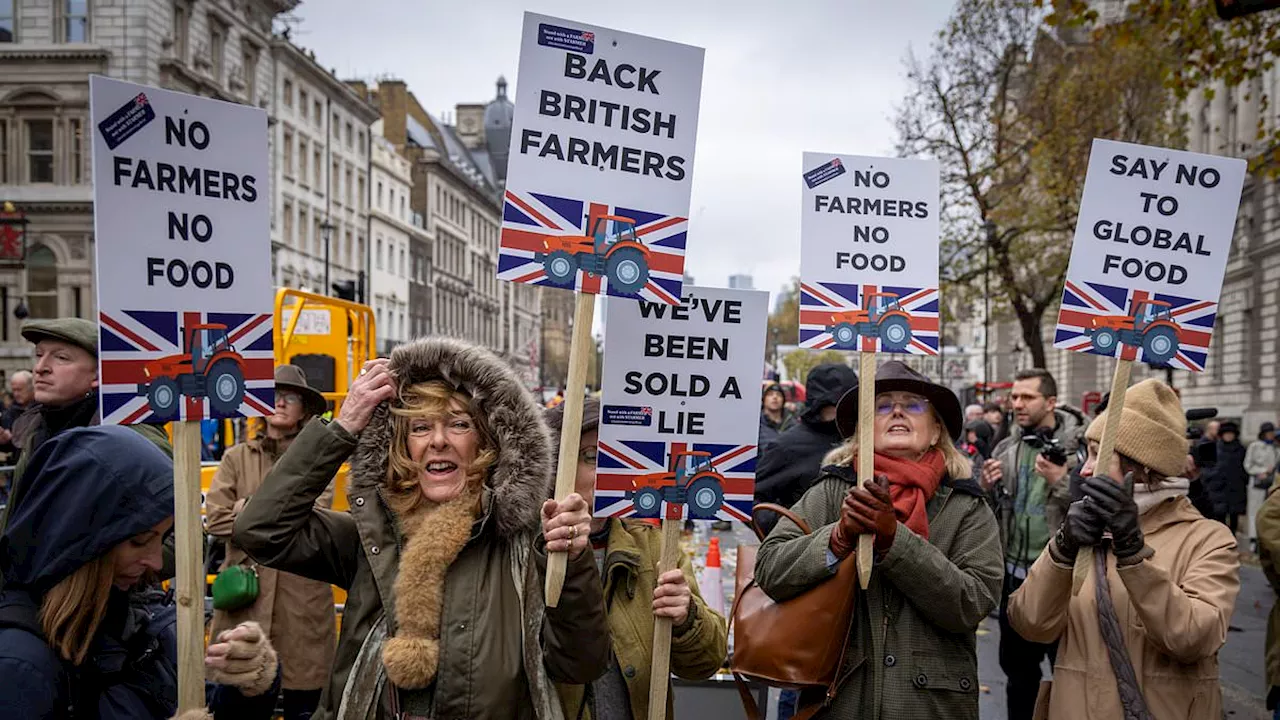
<point x="598" y="183"/>
<point x="1150" y="251"/>
<point x="183" y="278"/>
<point x="869" y="273"/>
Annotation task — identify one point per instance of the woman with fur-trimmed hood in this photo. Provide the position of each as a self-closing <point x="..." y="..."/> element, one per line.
<point x="444" y="549"/>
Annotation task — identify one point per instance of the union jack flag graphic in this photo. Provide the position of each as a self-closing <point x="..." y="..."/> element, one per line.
<point x="897" y="319"/>
<point x="1162" y="330"/>
<point x="591" y="247"/>
<point x="134" y="346"/>
<point x="636" y="479"/>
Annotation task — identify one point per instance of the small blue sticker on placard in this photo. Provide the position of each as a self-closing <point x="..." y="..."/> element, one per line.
<point x="128" y="120"/>
<point x="579" y="41"/>
<point x="824" y="173"/>
<point x="633" y="415"/>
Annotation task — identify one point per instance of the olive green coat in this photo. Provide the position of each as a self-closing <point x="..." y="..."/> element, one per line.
<point x="1268" y="524"/>
<point x="912" y="649"/>
<point x="630" y="577"/>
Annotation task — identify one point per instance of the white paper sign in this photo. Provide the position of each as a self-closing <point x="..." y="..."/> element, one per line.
<point x="182" y="225"/>
<point x="601" y="160"/>
<point x="1150" y="250"/>
<point x="680" y="415"/>
<point x="869" y="254"/>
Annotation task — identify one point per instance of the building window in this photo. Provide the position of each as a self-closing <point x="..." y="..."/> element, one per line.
<point x="303" y="151"/>
<point x="75" y="21"/>
<point x="350" y="189"/>
<point x="336" y="191"/>
<point x="402" y="262"/>
<point x="360" y="192"/>
<point x="217" y="48"/>
<point x="42" y="283"/>
<point x="318" y="112"/>
<point x="346" y="248"/>
<point x="288" y="94"/>
<point x="349" y="140"/>
<point x="379" y="194"/>
<point x="317" y="238"/>
<point x="4" y="152"/>
<point x="75" y="137"/>
<point x="360" y="261"/>
<point x="318" y="164"/>
<point x="302" y="102"/>
<point x="378" y="252"/>
<point x="401" y="206"/>
<point x="360" y="142"/>
<point x="288" y="152"/>
<point x="39" y="151"/>
<point x="288" y="223"/>
<point x="335" y="128"/>
<point x="181" y="30"/>
<point x="303" y="228"/>
<point x="249" y="66"/>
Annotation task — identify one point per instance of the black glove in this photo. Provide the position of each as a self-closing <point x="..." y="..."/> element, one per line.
<point x="1082" y="526"/>
<point x="1115" y="503"/>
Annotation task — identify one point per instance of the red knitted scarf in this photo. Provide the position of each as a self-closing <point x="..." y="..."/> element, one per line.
<point x="911" y="484"/>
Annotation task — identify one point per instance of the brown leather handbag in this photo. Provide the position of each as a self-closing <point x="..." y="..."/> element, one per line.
<point x="797" y="644"/>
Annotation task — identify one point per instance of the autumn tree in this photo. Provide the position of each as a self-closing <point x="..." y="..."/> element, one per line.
<point x="801" y="360"/>
<point x="784" y="321"/>
<point x="1009" y="107"/>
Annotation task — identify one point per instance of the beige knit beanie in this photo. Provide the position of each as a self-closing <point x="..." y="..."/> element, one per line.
<point x="1153" y="428"/>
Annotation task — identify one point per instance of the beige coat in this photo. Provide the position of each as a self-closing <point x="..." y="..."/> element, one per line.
<point x="297" y="613"/>
<point x="1174" y="608"/>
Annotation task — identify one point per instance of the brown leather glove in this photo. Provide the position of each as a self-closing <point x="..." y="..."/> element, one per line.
<point x="873" y="507"/>
<point x="844" y="537"/>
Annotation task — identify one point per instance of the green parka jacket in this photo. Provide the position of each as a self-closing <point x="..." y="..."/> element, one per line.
<point x="501" y="649"/>
<point x="912" y="649"/>
<point x="630" y="577"/>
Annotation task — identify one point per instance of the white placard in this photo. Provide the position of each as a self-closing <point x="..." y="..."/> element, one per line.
<point x="681" y="385"/>
<point x="601" y="160"/>
<point x="869" y="254"/>
<point x="1150" y="250"/>
<point x="182" y="226"/>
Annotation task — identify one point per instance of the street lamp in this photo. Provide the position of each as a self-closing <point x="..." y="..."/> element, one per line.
<point x="326" y="229"/>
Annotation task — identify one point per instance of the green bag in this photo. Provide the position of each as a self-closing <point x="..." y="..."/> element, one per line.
<point x="235" y="588"/>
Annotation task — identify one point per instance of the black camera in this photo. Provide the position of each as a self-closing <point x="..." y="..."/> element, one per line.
<point x="1050" y="447"/>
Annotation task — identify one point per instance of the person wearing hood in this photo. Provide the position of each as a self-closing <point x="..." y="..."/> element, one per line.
<point x="1260" y="462"/>
<point x="296" y="613"/>
<point x="912" y="645"/>
<point x="65" y="392"/>
<point x="82" y="634"/>
<point x="627" y="553"/>
<point x="1228" y="482"/>
<point x="791" y="463"/>
<point x="774" y="416"/>
<point x="1140" y="639"/>
<point x="443" y="552"/>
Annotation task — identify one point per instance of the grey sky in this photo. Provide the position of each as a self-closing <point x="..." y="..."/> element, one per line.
<point x="780" y="78"/>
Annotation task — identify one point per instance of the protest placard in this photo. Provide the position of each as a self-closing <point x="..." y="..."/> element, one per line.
<point x="182" y="226"/>
<point x="1150" y="250"/>
<point x="869" y="254"/>
<point x="680" y="415"/>
<point x="601" y="161"/>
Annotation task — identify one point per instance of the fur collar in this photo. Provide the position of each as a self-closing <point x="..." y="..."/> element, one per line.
<point x="522" y="477"/>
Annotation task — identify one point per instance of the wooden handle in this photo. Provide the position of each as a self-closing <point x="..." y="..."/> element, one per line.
<point x="189" y="557"/>
<point x="866" y="452"/>
<point x="1106" y="447"/>
<point x="580" y="352"/>
<point x="660" y="676"/>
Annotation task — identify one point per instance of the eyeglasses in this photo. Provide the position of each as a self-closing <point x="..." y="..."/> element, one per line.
<point x="587" y="456"/>
<point x="911" y="406"/>
<point x="289" y="398"/>
<point x="456" y="426"/>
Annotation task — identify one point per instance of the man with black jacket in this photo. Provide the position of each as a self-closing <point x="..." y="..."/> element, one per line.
<point x="790" y="464"/>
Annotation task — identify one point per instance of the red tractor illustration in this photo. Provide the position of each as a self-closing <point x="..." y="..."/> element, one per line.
<point x="1149" y="326"/>
<point x="209" y="367"/>
<point x="691" y="479"/>
<point x="881" y="316"/>
<point x="610" y="248"/>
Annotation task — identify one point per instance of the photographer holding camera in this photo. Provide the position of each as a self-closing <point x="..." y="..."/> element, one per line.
<point x="1026" y="478"/>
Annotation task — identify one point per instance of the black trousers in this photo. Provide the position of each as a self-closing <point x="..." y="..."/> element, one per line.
<point x="1020" y="660"/>
<point x="300" y="704"/>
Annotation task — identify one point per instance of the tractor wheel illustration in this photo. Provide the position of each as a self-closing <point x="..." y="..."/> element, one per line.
<point x="1104" y="341"/>
<point x="648" y="503"/>
<point x="628" y="272"/>
<point x="1160" y="345"/>
<point x="164" y="398"/>
<point x="705" y="497"/>
<point x="895" y="333"/>
<point x="844" y="334"/>
<point x="225" y="387"/>
<point x="561" y="268"/>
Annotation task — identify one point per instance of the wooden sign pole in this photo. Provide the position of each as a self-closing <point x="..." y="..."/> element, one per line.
<point x="661" y="668"/>
<point x="189" y="557"/>
<point x="866" y="451"/>
<point x="580" y="351"/>
<point x="1106" y="447"/>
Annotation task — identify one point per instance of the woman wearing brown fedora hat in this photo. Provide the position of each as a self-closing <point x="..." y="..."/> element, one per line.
<point x="912" y="643"/>
<point x="296" y="613"/>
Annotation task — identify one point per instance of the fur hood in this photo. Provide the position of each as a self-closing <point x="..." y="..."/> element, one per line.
<point x="521" y="478"/>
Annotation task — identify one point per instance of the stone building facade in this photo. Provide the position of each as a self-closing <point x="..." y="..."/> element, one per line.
<point x="394" y="229"/>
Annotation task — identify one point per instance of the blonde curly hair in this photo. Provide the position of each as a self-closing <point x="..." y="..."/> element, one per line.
<point x="432" y="400"/>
